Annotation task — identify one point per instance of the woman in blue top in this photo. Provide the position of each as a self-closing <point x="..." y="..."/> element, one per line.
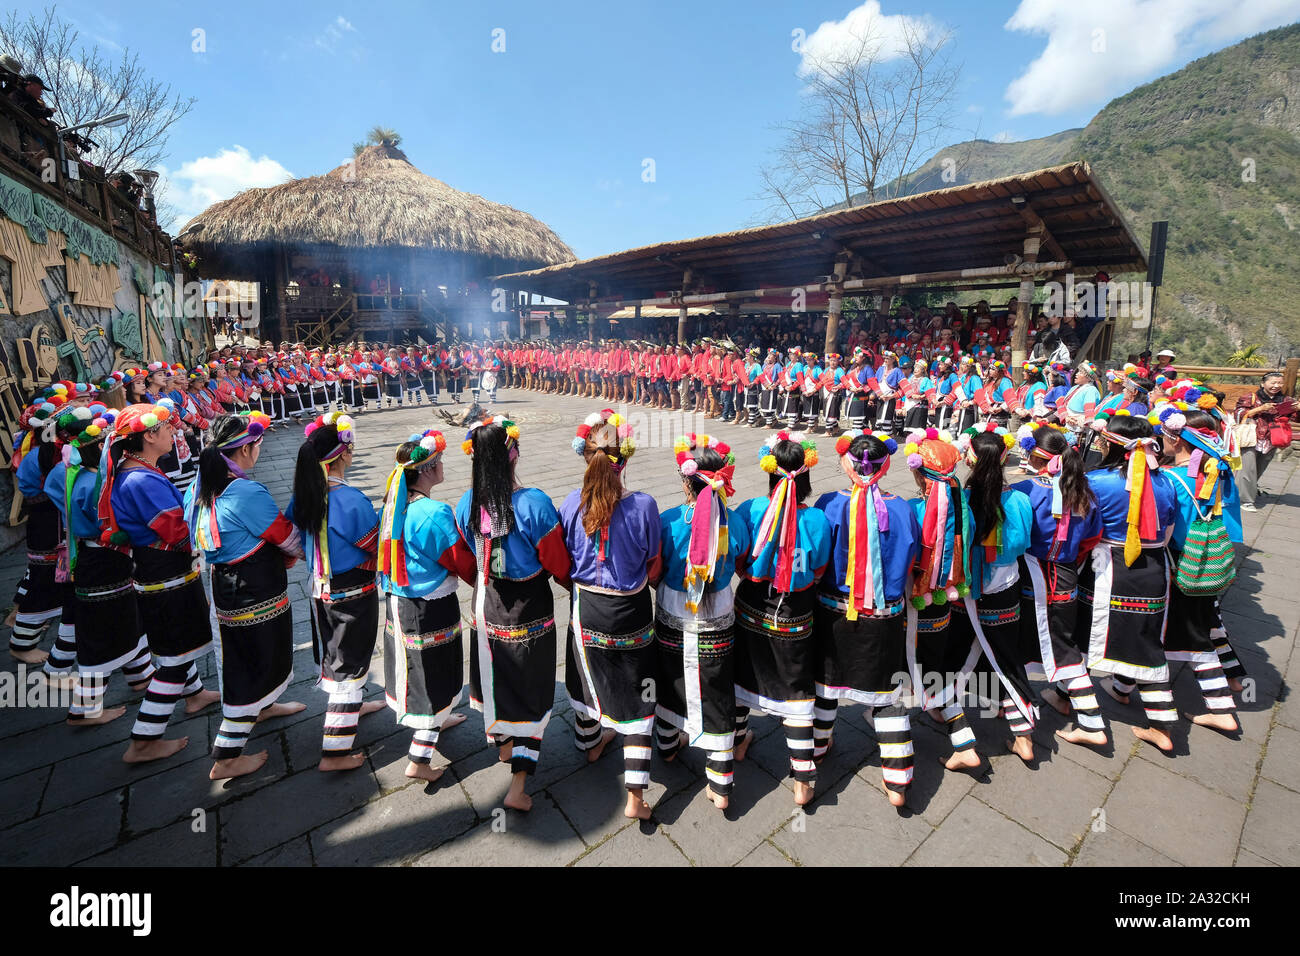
<point x="1002" y="520"/>
<point x="916" y="409"/>
<point x="612" y="535"/>
<point x="1203" y="484"/>
<point x="39" y="598"/>
<point x="776" y="656"/>
<point x="860" y="624"/>
<point x="969" y="380"/>
<point x="518" y="546"/>
<point x="889" y="415"/>
<point x="1002" y="390"/>
<point x="421" y="562"/>
<point x="1035" y="392"/>
<point x="339" y="530"/>
<point x="1124" y="591"/>
<point x="249" y="545"/>
<point x="702" y="544"/>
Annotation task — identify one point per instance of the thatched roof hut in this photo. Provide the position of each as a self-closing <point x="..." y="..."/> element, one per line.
<point x="319" y="245"/>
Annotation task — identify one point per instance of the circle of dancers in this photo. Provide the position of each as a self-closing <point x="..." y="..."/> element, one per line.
<point x="1097" y="568"/>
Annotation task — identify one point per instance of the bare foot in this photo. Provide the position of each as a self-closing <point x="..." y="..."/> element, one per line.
<point x="636" y="809"/>
<point x="281" y="710"/>
<point x="1108" y="686"/>
<point x="1054" y="700"/>
<point x="595" y="752"/>
<point x="204" y="698"/>
<point x="142" y="751"/>
<point x="1023" y="748"/>
<point x="503" y="753"/>
<point x="105" y="715"/>
<point x="453" y="720"/>
<point x="681" y="742"/>
<point x="516" y="799"/>
<point x="341" y="762"/>
<point x="12" y="617"/>
<point x="964" y="760"/>
<point x="423" y="771"/>
<point x="372" y="707"/>
<point x="138" y="688"/>
<point x="803" y="793"/>
<point x="1224" y="722"/>
<point x="1078" y="735"/>
<point x="718" y="799"/>
<point x="32" y="655"/>
<point x="61" y="681"/>
<point x="1155" y="736"/>
<point x="896" y="798"/>
<point x="238" y="766"/>
<point x="742" y="745"/>
<point x="1235" y="685"/>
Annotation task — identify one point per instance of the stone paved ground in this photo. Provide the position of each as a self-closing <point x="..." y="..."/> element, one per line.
<point x="66" y="798"/>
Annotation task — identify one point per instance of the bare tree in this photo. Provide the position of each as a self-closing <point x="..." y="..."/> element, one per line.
<point x="85" y="86"/>
<point x="876" y="109"/>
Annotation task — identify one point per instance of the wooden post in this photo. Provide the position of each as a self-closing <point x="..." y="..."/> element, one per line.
<point x="1289" y="374"/>
<point x="682" y="316"/>
<point x="1024" y="303"/>
<point x="733" y="320"/>
<point x="836" y="308"/>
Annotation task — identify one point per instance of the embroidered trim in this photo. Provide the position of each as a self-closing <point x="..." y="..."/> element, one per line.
<point x="841" y="605"/>
<point x="257" y="614"/>
<point x="168" y="585"/>
<point x="618" y="642"/>
<point x="520" y="632"/>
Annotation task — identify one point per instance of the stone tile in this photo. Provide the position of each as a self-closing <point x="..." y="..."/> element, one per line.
<point x="1278" y="612"/>
<point x="1140" y="806"/>
<point x="976" y="835"/>
<point x="711" y="837"/>
<point x="297" y="852"/>
<point x="633" y="847"/>
<point x="1057" y="801"/>
<point x="176" y="845"/>
<point x="592" y="800"/>
<point x="174" y="794"/>
<point x="1274" y="545"/>
<point x="65" y="836"/>
<point x="765" y="855"/>
<point x="860" y="829"/>
<point x="1282" y="758"/>
<point x="1288" y="713"/>
<point x="398" y="826"/>
<point x="1271" y="830"/>
<point x="1114" y="848"/>
<point x="20" y="796"/>
<point x="294" y="806"/>
<point x="1206" y="756"/>
<point x="541" y="837"/>
<point x="935" y="791"/>
<point x="1247" y="858"/>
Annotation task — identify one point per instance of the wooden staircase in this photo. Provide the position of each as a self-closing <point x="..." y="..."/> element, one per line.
<point x="329" y="329"/>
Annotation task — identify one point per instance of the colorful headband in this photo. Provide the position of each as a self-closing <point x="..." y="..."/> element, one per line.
<point x="253" y="426"/>
<point x="346" y="430"/>
<point x="429" y="446"/>
<point x="607" y="416"/>
<point x="709" y="541"/>
<point x="779" y="526"/>
<point x="512" y="432"/>
<point x="944" y="561"/>
<point x="964" y="445"/>
<point x="767" y="460"/>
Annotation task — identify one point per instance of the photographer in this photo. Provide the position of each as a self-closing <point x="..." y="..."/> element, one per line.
<point x="26" y="95"/>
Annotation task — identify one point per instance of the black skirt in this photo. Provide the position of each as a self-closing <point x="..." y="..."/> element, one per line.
<point x="253" y="614"/>
<point x="109" y="632"/>
<point x="1126" y="610"/>
<point x="346" y="627"/>
<point x="938" y="655"/>
<point x="1054" y="628"/>
<point x="864" y="660"/>
<point x="776" y="655"/>
<point x="512" y="663"/>
<point x="423" y="658"/>
<point x="610" y="666"/>
<point x="173" y="605"/>
<point x="38" y="592"/>
<point x="696" y="689"/>
<point x="998" y="669"/>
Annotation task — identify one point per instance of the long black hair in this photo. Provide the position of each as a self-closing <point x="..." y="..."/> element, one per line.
<point x="1076" y="494"/>
<point x="310" y="486"/>
<point x="985" y="482"/>
<point x="869" y="447"/>
<point x="493" y="484"/>
<point x="706" y="459"/>
<point x="789" y="455"/>
<point x="1127" y="427"/>
<point x="214" y="473"/>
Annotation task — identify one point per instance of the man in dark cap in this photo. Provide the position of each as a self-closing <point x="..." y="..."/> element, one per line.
<point x="27" y="97"/>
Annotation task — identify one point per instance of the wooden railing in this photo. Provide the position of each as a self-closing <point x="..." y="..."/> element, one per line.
<point x="26" y="144"/>
<point x="1215" y="373"/>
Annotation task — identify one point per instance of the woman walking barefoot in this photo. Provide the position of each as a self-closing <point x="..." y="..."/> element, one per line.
<point x="515" y="536"/>
<point x="340" y="530"/>
<point x="421" y="562"/>
<point x="612" y="535"/>
<point x="874" y="540"/>
<point x="249" y="545"/>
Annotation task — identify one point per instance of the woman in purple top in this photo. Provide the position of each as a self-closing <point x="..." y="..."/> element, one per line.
<point x="613" y="539"/>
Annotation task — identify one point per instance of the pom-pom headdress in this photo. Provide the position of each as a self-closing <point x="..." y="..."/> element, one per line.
<point x="710" y="541"/>
<point x="1142" y="519"/>
<point x="88" y="431"/>
<point x="780" y="520"/>
<point x="346" y="430"/>
<point x="626" y="443"/>
<point x="429" y="446"/>
<point x="512" y="434"/>
<point x="944" y="562"/>
<point x="132" y="420"/>
<point x="868" y="518"/>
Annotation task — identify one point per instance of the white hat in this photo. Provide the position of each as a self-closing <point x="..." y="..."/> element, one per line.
<point x="1169" y="352"/>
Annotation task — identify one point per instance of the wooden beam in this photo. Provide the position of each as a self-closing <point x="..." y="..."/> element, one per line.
<point x="1035" y="222"/>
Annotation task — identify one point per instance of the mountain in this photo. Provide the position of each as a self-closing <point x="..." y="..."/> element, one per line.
<point x="1215" y="149"/>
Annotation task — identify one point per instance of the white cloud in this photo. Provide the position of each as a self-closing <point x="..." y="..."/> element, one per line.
<point x="1102" y="48"/>
<point x="837" y="39"/>
<point x="198" y="183"/>
<point x="328" y="39"/>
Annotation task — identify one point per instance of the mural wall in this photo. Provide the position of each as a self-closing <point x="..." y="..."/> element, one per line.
<point x="75" y="303"/>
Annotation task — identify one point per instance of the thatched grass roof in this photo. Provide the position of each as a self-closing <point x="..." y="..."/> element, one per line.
<point x="378" y="201"/>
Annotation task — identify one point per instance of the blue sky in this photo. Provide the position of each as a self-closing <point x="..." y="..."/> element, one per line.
<point x="560" y="122"/>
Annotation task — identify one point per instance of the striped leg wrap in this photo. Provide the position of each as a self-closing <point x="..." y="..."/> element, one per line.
<point x="341" y="720"/>
<point x="742" y="721"/>
<point x="1122" y="685"/>
<point x="894" y="735"/>
<point x="823" y="724"/>
<point x="586" y="732"/>
<point x="87" y="694"/>
<point x="139" y="670"/>
<point x="63" y="655"/>
<point x="525" y="751"/>
<point x="423" y="745"/>
<point x="30" y="628"/>
<point x="799" y="741"/>
<point x="1158" y="701"/>
<point x="1214" y="688"/>
<point x="1083" y="698"/>
<point x="636" y="761"/>
<point x="232" y="736"/>
<point x="166" y="687"/>
<point x="667" y="738"/>
<point x="959" y="729"/>
<point x="718" y="770"/>
<point x="1011" y="713"/>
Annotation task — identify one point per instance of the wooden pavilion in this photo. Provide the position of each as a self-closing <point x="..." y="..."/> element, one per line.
<point x="373" y="249"/>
